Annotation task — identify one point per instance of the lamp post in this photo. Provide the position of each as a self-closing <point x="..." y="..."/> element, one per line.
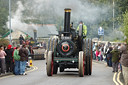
<point x="10" y="22"/>
<point x="113" y="15"/>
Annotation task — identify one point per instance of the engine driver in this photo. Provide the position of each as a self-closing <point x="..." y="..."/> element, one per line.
<point x="84" y="28"/>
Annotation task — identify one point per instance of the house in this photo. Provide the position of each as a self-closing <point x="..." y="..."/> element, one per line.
<point x="46" y="31"/>
<point x="15" y="34"/>
<point x="42" y="31"/>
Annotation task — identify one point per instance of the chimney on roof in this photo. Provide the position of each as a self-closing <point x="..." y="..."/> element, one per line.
<point x="35" y="35"/>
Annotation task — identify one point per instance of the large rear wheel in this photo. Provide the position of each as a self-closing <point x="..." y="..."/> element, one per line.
<point x="50" y="64"/>
<point x="81" y="63"/>
<point x="90" y="57"/>
<point x="84" y="49"/>
<point x="87" y="57"/>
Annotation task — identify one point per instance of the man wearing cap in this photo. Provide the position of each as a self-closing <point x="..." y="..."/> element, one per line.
<point x="84" y="28"/>
<point x="115" y="59"/>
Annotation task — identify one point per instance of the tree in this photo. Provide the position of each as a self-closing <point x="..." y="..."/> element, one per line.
<point x="3" y="16"/>
<point x="125" y="24"/>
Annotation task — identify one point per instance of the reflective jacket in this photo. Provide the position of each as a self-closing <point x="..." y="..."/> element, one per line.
<point x="84" y="29"/>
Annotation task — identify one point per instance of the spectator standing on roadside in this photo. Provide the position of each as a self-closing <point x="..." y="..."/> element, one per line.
<point x="109" y="57"/>
<point x="23" y="52"/>
<point x="94" y="50"/>
<point x="97" y="54"/>
<point x="102" y="53"/>
<point x="115" y="59"/>
<point x="17" y="60"/>
<point x="119" y="45"/>
<point x="2" y="60"/>
<point x="124" y="61"/>
<point x="9" y="59"/>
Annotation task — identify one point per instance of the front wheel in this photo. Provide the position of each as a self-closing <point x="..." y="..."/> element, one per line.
<point x="50" y="64"/>
<point x="81" y="64"/>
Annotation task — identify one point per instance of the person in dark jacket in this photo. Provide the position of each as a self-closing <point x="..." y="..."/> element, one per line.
<point x="21" y="39"/>
<point x="109" y="57"/>
<point x="23" y="53"/>
<point x="9" y="59"/>
<point x="115" y="59"/>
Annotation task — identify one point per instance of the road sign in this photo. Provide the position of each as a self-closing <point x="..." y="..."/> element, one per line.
<point x="100" y="31"/>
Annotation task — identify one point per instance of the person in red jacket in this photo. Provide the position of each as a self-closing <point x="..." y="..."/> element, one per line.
<point x="9" y="59"/>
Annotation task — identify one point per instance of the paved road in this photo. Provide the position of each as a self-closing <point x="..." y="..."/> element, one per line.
<point x="101" y="75"/>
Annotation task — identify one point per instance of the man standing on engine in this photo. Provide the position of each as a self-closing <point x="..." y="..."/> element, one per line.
<point x="84" y="28"/>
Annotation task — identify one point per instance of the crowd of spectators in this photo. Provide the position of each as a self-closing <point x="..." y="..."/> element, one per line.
<point x="115" y="55"/>
<point x="13" y="60"/>
<point x="108" y="52"/>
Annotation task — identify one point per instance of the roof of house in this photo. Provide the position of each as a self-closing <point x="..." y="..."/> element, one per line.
<point x="46" y="31"/>
<point x="16" y="34"/>
<point x="43" y="31"/>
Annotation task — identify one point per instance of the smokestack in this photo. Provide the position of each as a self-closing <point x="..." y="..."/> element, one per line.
<point x="67" y="21"/>
<point x="35" y="35"/>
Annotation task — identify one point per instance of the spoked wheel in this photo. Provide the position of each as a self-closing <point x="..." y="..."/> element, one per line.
<point x="90" y="57"/>
<point x="50" y="64"/>
<point x="81" y="64"/>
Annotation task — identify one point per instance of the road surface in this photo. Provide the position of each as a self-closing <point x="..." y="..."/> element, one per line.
<point x="101" y="75"/>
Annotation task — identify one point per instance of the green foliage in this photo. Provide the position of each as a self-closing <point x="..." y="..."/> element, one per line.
<point x="3" y="16"/>
<point x="125" y="24"/>
<point x="4" y="42"/>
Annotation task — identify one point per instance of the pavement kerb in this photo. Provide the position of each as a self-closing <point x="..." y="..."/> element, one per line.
<point x="101" y="62"/>
<point x="8" y="74"/>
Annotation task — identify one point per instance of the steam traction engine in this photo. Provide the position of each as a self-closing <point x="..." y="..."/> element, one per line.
<point x="69" y="49"/>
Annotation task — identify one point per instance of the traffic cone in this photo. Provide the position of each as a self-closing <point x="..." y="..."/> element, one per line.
<point x="30" y="62"/>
